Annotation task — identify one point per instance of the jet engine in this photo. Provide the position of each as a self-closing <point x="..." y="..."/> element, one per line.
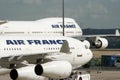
<point x="54" y="69"/>
<point x="25" y="73"/>
<point x="4" y="71"/>
<point x="87" y="44"/>
<point x="101" y="43"/>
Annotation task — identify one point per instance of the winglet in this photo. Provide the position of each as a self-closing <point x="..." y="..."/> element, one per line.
<point x="117" y="33"/>
<point x="65" y="47"/>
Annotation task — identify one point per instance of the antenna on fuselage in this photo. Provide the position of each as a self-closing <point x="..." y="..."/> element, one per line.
<point x="63" y="18"/>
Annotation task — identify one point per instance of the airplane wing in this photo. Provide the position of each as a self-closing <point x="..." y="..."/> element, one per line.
<point x="98" y="41"/>
<point x="32" y="58"/>
<point x="10" y="61"/>
<point x="22" y="65"/>
<point x="21" y="69"/>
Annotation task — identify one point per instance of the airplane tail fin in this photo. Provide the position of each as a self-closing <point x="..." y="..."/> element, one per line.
<point x="117" y="33"/>
<point x="65" y="47"/>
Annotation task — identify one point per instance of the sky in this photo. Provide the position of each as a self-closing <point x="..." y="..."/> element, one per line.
<point x="99" y="14"/>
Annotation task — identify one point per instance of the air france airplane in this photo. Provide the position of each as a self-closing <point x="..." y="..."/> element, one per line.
<point x="46" y="26"/>
<point x="52" y="27"/>
<point x="49" y="56"/>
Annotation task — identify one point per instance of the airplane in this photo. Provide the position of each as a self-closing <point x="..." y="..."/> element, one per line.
<point x="53" y="26"/>
<point x="46" y="26"/>
<point x="38" y="57"/>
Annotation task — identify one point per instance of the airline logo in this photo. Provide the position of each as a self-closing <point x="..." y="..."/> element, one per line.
<point x="61" y="26"/>
<point x="34" y="42"/>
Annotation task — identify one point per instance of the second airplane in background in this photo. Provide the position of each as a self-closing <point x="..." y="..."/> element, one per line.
<point x="52" y="27"/>
<point x="46" y="26"/>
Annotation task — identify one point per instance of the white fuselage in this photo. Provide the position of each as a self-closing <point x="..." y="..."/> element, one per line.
<point x="16" y="47"/>
<point x="46" y="26"/>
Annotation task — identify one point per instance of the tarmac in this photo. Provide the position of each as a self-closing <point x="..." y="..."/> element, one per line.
<point x="97" y="53"/>
<point x="103" y="74"/>
<point x="95" y="74"/>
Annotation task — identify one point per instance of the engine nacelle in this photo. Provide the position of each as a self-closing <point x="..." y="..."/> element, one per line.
<point x="4" y="71"/>
<point x="87" y="44"/>
<point x="101" y="43"/>
<point x="25" y="73"/>
<point x="54" y="69"/>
